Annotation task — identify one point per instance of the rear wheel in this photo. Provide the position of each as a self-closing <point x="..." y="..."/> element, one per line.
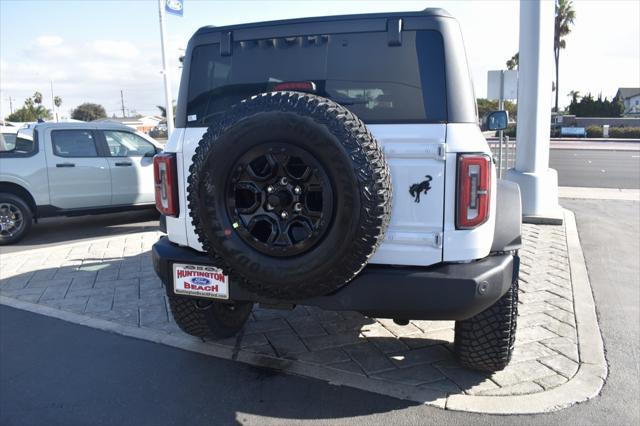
<point x="205" y="318"/>
<point x="15" y="218"/>
<point x="485" y="341"/>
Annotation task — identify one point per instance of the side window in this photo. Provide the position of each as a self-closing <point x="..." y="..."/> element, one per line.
<point x="74" y="143"/>
<point x="125" y="144"/>
<point x="7" y="142"/>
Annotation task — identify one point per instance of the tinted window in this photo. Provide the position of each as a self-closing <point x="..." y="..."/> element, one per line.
<point x="74" y="143"/>
<point x="7" y="142"/>
<point x="125" y="144"/>
<point x="12" y="145"/>
<point x="378" y="82"/>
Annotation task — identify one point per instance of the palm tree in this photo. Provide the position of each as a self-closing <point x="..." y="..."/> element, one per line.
<point x="163" y="110"/>
<point x="565" y="15"/>
<point x="37" y="98"/>
<point x="512" y="64"/>
<point x="575" y="95"/>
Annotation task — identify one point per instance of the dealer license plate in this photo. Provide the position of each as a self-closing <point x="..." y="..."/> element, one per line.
<point x="200" y="281"/>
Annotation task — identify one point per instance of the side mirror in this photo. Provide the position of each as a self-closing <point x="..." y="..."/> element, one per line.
<point x="497" y="120"/>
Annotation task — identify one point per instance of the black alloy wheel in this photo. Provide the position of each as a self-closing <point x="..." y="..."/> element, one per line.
<point x="279" y="199"/>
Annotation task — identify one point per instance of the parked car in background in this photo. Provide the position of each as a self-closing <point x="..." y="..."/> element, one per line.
<point x="65" y="169"/>
<point x="160" y="131"/>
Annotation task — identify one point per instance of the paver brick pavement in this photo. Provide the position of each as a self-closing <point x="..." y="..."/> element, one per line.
<point x="113" y="279"/>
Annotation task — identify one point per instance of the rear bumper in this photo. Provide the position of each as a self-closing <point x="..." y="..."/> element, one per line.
<point x="440" y="292"/>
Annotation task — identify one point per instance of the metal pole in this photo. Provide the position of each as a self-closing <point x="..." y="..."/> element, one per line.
<point x="538" y="183"/>
<point x="122" y="102"/>
<point x="167" y="82"/>
<point x="500" y="132"/>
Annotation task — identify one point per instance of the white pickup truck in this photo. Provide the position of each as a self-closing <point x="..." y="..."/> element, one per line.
<point x="64" y="169"/>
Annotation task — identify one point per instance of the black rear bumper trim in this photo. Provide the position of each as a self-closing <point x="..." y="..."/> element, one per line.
<point x="455" y="291"/>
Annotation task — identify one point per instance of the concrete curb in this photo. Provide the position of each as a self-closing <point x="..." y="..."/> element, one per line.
<point x="589" y="378"/>
<point x="585" y="384"/>
<point x="599" y="193"/>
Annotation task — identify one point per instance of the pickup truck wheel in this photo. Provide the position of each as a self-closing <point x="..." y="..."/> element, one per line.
<point x="209" y="318"/>
<point x="485" y="341"/>
<point x="289" y="194"/>
<point x="15" y="218"/>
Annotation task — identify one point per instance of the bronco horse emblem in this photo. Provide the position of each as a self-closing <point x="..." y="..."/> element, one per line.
<point x="417" y="188"/>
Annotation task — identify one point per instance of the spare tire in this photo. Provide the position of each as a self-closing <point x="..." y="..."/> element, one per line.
<point x="290" y="194"/>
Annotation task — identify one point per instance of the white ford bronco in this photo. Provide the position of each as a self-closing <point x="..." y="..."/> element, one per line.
<point x="337" y="162"/>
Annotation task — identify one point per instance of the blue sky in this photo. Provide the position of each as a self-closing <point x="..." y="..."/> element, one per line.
<point x="93" y="49"/>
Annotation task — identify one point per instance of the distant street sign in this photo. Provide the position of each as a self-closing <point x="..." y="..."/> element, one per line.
<point x="509" y="81"/>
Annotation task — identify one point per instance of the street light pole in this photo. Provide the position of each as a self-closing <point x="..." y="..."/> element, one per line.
<point x="165" y="72"/>
<point x="538" y="183"/>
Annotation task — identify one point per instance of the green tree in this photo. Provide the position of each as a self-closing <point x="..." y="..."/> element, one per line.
<point x="575" y="95"/>
<point x="590" y="107"/>
<point x="565" y="17"/>
<point x="512" y="64"/>
<point x="88" y="112"/>
<point x="485" y="106"/>
<point x="37" y="98"/>
<point x="32" y="110"/>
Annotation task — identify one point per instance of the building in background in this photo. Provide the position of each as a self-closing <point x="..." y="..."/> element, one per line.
<point x="630" y="97"/>
<point x="141" y="124"/>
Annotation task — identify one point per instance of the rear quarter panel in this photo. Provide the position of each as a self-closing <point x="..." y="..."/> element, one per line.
<point x="465" y="245"/>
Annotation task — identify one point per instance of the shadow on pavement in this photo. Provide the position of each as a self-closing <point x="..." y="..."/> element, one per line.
<point x="92" y="369"/>
<point x="65" y="229"/>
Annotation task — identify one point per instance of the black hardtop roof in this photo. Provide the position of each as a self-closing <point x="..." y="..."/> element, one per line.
<point x="429" y="12"/>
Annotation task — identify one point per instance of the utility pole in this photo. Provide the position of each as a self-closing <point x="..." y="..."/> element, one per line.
<point x="122" y="102"/>
<point x="10" y="104"/>
<point x="167" y="82"/>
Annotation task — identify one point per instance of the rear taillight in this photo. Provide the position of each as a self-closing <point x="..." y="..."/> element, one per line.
<point x="302" y="86"/>
<point x="474" y="186"/>
<point x="166" y="183"/>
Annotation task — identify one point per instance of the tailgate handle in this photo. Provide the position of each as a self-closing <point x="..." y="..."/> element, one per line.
<point x="65" y="165"/>
<point x="123" y="163"/>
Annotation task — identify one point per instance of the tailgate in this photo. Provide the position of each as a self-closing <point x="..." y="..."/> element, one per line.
<point x="414" y="153"/>
<point x="416" y="156"/>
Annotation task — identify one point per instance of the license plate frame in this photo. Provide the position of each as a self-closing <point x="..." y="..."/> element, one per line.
<point x="203" y="281"/>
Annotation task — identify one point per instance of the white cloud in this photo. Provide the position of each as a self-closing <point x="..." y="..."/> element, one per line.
<point x="87" y="71"/>
<point x="49" y="40"/>
<point x="115" y="49"/>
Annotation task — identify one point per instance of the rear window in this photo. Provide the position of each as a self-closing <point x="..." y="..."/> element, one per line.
<point x="7" y="142"/>
<point x="13" y="146"/>
<point x="378" y="82"/>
